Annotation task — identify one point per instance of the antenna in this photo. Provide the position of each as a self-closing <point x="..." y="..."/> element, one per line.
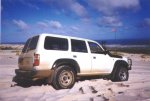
<point x="115" y="32"/>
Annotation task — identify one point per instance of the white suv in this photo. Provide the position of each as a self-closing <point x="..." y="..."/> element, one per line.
<point x="63" y="59"/>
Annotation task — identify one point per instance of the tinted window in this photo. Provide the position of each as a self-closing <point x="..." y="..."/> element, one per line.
<point x="33" y="43"/>
<point x="95" y="48"/>
<point x="30" y="44"/>
<point x="53" y="43"/>
<point x="78" y="46"/>
<point x="26" y="45"/>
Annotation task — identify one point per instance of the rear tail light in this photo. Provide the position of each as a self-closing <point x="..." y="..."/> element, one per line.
<point x="36" y="60"/>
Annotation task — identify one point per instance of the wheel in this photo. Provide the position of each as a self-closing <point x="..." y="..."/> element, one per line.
<point x="64" y="77"/>
<point x="121" y="74"/>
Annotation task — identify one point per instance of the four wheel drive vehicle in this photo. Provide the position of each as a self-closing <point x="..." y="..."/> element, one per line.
<point x="62" y="59"/>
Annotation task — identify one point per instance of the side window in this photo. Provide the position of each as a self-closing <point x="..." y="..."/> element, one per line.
<point x="53" y="43"/>
<point x="95" y="48"/>
<point x="78" y="46"/>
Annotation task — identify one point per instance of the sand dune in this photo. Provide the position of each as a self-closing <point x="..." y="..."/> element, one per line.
<point x="136" y="89"/>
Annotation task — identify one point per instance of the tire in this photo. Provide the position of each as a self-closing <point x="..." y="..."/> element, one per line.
<point x="121" y="74"/>
<point x="24" y="82"/>
<point x="64" y="77"/>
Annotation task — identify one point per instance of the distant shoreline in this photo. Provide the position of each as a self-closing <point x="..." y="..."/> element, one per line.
<point x="135" y="49"/>
<point x="109" y="42"/>
<point x="15" y="43"/>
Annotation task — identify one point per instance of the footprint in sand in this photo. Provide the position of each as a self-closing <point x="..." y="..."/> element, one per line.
<point x="93" y="89"/>
<point x="81" y="90"/>
<point x="122" y="85"/>
<point x="109" y="84"/>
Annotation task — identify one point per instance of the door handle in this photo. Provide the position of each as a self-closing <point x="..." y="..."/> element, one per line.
<point x="74" y="56"/>
<point x="94" y="57"/>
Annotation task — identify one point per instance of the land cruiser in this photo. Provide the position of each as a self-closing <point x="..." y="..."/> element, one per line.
<point x="62" y="59"/>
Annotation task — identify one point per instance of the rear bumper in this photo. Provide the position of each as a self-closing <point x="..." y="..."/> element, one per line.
<point x="25" y="74"/>
<point x="32" y="74"/>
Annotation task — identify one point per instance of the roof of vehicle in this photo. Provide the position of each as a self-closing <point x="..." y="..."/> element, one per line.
<point x="64" y="36"/>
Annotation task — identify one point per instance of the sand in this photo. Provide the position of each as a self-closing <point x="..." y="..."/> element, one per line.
<point x="137" y="88"/>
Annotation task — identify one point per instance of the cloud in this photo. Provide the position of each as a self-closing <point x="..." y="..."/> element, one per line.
<point x="42" y="24"/>
<point x="21" y="24"/>
<point x="145" y="23"/>
<point x="55" y="24"/>
<point x="29" y="3"/>
<point x="69" y="6"/>
<point x="79" y="9"/>
<point x="111" y="6"/>
<point x="49" y="23"/>
<point x="109" y="21"/>
<point x="74" y="28"/>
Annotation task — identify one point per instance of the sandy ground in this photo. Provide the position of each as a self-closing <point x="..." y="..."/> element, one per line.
<point x="136" y="89"/>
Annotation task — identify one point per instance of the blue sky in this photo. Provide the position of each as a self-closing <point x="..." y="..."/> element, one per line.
<point x="93" y="19"/>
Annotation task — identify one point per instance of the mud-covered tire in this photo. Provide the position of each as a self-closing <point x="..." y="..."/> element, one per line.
<point x="121" y="74"/>
<point x="64" y="77"/>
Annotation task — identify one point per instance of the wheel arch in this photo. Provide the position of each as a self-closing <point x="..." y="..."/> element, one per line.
<point x="116" y="66"/>
<point x="69" y="62"/>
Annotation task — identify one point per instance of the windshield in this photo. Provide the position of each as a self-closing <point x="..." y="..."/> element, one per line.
<point x="30" y="44"/>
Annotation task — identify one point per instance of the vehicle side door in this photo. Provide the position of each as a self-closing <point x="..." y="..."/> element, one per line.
<point x="100" y="60"/>
<point x="81" y="55"/>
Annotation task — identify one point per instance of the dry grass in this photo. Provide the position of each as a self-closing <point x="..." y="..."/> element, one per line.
<point x="17" y="52"/>
<point x="117" y="53"/>
<point x="6" y="48"/>
<point x="11" y="47"/>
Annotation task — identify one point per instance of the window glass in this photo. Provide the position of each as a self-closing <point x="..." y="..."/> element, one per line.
<point x="26" y="45"/>
<point x="53" y="43"/>
<point x="78" y="46"/>
<point x="95" y="48"/>
<point x="33" y="43"/>
<point x="30" y="44"/>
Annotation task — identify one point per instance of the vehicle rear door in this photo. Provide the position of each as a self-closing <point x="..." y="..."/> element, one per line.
<point x="81" y="55"/>
<point x="26" y="59"/>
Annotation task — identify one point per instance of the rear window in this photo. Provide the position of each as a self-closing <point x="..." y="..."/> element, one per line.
<point x="53" y="43"/>
<point x="30" y="44"/>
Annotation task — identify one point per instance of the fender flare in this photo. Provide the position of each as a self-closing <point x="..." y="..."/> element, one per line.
<point x="69" y="62"/>
<point x="116" y="66"/>
<point x="63" y="61"/>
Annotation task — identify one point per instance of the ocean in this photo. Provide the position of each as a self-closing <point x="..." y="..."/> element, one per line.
<point x="109" y="42"/>
<point x="125" y="42"/>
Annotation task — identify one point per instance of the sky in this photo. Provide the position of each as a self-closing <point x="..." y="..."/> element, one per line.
<point x="92" y="19"/>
